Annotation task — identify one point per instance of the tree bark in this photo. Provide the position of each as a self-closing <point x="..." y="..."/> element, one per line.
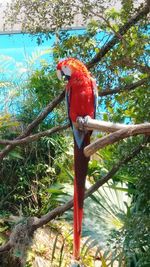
<point x="115" y="137"/>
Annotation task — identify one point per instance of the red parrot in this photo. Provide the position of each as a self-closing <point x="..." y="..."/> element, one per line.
<point x="81" y="92"/>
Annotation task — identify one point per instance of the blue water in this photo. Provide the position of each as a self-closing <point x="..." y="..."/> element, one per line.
<point x="21" y="46"/>
<point x="18" y="46"/>
<point x="20" y="54"/>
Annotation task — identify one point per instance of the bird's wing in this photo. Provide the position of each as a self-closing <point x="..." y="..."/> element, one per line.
<point x="68" y="103"/>
<point x="78" y="135"/>
<point x="95" y="92"/>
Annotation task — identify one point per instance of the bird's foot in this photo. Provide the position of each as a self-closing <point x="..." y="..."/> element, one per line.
<point x="86" y="119"/>
<point x="82" y="121"/>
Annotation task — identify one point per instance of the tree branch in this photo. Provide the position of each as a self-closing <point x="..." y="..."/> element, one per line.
<point x="34" y="123"/>
<point x="39" y="222"/>
<point x="128" y="87"/>
<point x="122" y="31"/>
<point x="109" y="127"/>
<point x="102" y="126"/>
<point x="115" y="168"/>
<point x="34" y="137"/>
<point x="11" y="144"/>
<point x="117" y="136"/>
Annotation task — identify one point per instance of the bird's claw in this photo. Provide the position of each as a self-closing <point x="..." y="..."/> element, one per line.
<point x="86" y="119"/>
<point x="82" y="121"/>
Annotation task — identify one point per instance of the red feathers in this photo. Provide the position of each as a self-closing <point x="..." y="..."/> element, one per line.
<point x="80" y="87"/>
<point x="80" y="95"/>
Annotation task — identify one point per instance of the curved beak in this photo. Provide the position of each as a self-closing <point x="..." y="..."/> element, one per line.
<point x="59" y="74"/>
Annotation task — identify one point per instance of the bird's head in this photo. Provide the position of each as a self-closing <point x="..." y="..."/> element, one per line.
<point x="63" y="70"/>
<point x="67" y="67"/>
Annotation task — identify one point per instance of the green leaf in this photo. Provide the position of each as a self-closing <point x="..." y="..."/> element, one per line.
<point x="16" y="155"/>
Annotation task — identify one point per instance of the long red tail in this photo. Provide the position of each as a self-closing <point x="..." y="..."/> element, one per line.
<point x="80" y="166"/>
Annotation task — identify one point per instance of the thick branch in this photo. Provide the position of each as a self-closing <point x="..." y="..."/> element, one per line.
<point x="123" y="30"/>
<point x="34" y="137"/>
<point x="109" y="127"/>
<point x="38" y="222"/>
<point x="117" y="136"/>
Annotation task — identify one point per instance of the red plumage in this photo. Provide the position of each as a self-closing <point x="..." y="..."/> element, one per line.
<point x="81" y="165"/>
<point x="81" y="97"/>
<point x="80" y="92"/>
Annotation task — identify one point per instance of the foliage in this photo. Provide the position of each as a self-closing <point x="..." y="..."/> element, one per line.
<point x="43" y="84"/>
<point x="39" y="169"/>
<point x="50" y="15"/>
<point x="7" y="121"/>
<point x="137" y="227"/>
<point x="30" y="168"/>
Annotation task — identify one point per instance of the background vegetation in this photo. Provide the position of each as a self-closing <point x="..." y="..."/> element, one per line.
<point x="38" y="176"/>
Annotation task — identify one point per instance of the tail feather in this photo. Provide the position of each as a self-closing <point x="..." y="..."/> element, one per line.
<point x="81" y="166"/>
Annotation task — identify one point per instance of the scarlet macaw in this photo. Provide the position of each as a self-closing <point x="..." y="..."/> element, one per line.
<point x="81" y="95"/>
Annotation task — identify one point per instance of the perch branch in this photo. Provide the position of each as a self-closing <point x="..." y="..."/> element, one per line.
<point x="102" y="126"/>
<point x="39" y="222"/>
<point x="109" y="127"/>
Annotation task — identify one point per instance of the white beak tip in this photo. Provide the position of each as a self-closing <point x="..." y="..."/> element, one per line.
<point x="59" y="74"/>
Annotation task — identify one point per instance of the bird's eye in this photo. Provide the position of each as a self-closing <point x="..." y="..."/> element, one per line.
<point x="66" y="70"/>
